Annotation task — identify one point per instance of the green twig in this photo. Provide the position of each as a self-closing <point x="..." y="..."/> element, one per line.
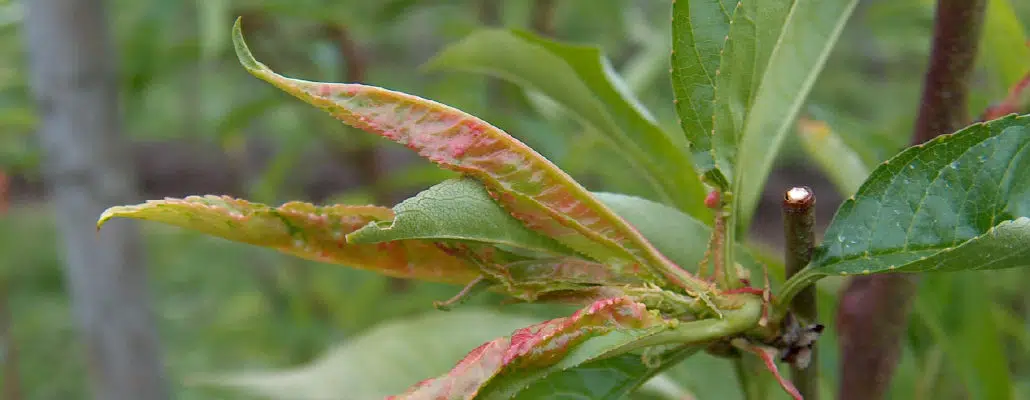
<point x="798" y="231"/>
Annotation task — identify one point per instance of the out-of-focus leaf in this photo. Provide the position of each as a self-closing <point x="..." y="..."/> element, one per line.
<point x="774" y="52"/>
<point x="699" y="30"/>
<point x="954" y="308"/>
<point x="958" y="202"/>
<point x="1004" y="49"/>
<point x="581" y="80"/>
<point x="529" y="186"/>
<point x="382" y="361"/>
<point x="678" y="236"/>
<point x="457" y="209"/>
<point x="841" y="164"/>
<point x="306" y="231"/>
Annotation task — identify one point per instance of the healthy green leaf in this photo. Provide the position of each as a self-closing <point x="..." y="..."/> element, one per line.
<point x="529" y="186"/>
<point x="837" y="160"/>
<point x="699" y="30"/>
<point x="381" y="361"/>
<point x="958" y="202"/>
<point x="457" y="209"/>
<point x="774" y="52"/>
<point x="306" y="231"/>
<point x="581" y="79"/>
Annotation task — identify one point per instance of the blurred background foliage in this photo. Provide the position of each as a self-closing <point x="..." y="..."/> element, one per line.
<point x="200" y="124"/>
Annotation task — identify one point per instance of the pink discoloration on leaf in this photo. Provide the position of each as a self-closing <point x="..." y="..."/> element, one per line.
<point x="532" y="188"/>
<point x="535" y="346"/>
<point x="306" y="231"/>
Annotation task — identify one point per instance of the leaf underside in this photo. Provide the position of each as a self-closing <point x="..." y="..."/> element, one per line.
<point x="306" y="231"/>
<point x="958" y="202"/>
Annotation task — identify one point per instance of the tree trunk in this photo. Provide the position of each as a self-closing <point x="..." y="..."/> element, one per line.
<point x="86" y="168"/>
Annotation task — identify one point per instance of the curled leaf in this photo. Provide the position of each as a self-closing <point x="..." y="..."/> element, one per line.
<point x="581" y="80"/>
<point x="529" y="186"/>
<point x="306" y="231"/>
<point x="535" y="347"/>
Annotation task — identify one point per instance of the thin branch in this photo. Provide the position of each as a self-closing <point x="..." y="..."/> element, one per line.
<point x="873" y="311"/>
<point x="799" y="233"/>
<point x="542" y="19"/>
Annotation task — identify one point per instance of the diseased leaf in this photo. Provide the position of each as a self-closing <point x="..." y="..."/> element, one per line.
<point x="306" y="231"/>
<point x="607" y="379"/>
<point x="529" y="186"/>
<point x="537" y="347"/>
<point x="608" y="328"/>
<point x="581" y="80"/>
<point x="457" y="209"/>
<point x="774" y="52"/>
<point x="958" y="202"/>
<point x="382" y="361"/>
<point x="837" y="160"/>
<point x="699" y="30"/>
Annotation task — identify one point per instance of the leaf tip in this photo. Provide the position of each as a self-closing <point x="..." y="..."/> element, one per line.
<point x="242" y="51"/>
<point x="108" y="214"/>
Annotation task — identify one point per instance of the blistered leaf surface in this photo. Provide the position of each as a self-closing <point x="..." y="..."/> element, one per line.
<point x="529" y="186"/>
<point x="581" y="80"/>
<point x="535" y="347"/>
<point x="304" y="230"/>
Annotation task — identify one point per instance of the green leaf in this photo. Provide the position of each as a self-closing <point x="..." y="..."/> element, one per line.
<point x="306" y="231"/>
<point x="529" y="186"/>
<point x="1004" y="49"/>
<point x="678" y="236"/>
<point x="457" y="209"/>
<point x="381" y="361"/>
<point x="837" y="160"/>
<point x="958" y="202"/>
<point x="699" y="30"/>
<point x="581" y="80"/>
<point x="774" y="52"/>
<point x="954" y="308"/>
